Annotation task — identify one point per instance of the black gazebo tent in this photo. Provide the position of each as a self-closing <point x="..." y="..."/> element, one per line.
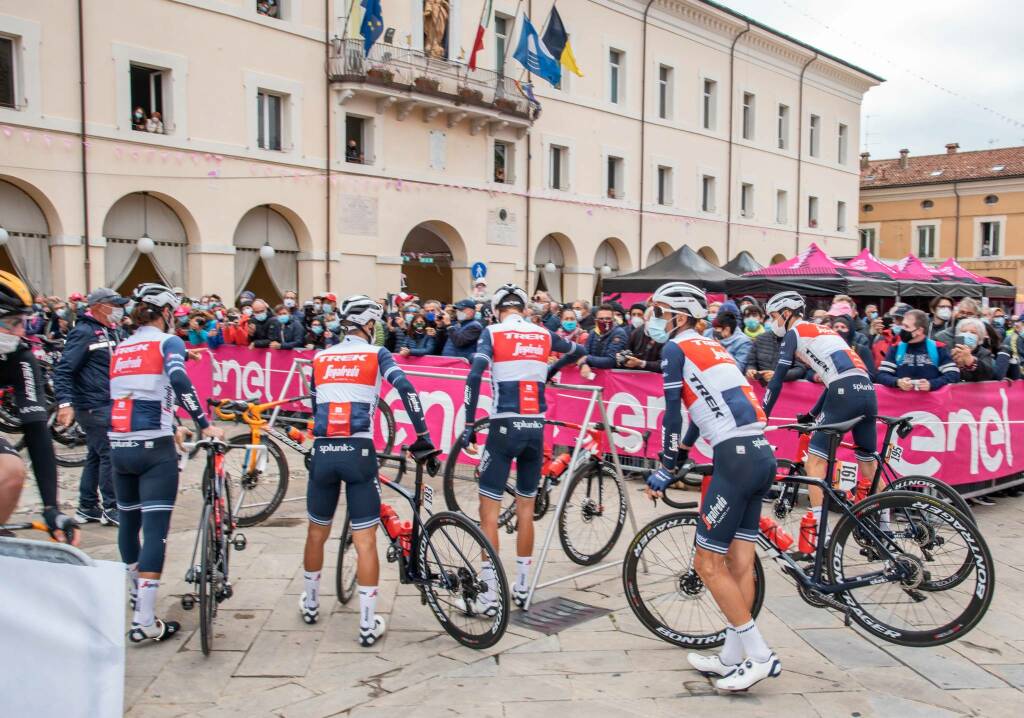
<point x="683" y="265"/>
<point x="742" y="263"/>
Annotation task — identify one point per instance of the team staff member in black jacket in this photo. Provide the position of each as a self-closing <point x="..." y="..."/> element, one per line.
<point x="81" y="381"/>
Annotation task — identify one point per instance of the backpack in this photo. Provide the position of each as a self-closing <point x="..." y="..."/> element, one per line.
<point x="930" y="346"/>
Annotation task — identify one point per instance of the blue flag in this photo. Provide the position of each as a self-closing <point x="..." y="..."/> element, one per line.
<point x="373" y="23"/>
<point x="535" y="56"/>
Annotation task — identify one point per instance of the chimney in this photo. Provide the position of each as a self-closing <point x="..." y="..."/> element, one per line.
<point x="903" y="158"/>
<point x="952" y="147"/>
<point x="865" y="160"/>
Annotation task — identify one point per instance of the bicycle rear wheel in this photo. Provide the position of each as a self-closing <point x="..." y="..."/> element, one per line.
<point x="461" y="482"/>
<point x="931" y="598"/>
<point x="665" y="592"/>
<point x="450" y="552"/>
<point x="594" y="513"/>
<point x="345" y="575"/>
<point x="935" y="488"/>
<point x="259" y="478"/>
<point x="207" y="582"/>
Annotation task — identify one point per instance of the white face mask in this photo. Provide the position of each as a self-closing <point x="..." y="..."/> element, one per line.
<point x="116" y="315"/>
<point x="8" y="342"/>
<point x="637" y="322"/>
<point x="944" y="313"/>
<point x="779" y="329"/>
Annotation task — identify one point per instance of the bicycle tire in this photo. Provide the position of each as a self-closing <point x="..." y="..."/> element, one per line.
<point x="898" y="504"/>
<point x="940" y="489"/>
<point x="591" y="507"/>
<point x="457" y="476"/>
<point x="207" y="589"/>
<point x="345" y="586"/>
<point x="10" y="423"/>
<point x="246" y="481"/>
<point x="684" y="583"/>
<point x="70" y="449"/>
<point x="469" y="583"/>
<point x="387" y="419"/>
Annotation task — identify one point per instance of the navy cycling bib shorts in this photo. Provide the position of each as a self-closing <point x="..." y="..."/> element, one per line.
<point x="354" y="462"/>
<point x="519" y="439"/>
<point x="146" y="485"/>
<point x="846" y="399"/>
<point x="744" y="469"/>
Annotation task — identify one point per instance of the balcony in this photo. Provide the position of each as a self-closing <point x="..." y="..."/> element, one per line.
<point x="410" y="81"/>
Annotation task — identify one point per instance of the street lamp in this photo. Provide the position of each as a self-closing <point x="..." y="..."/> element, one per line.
<point x="605" y="270"/>
<point x="550" y="267"/>
<point x="266" y="251"/>
<point x="4" y="236"/>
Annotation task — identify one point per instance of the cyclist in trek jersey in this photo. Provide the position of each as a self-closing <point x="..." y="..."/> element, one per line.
<point x="700" y="373"/>
<point x="147" y="372"/>
<point x="849" y="391"/>
<point x="19" y="370"/>
<point x="345" y="387"/>
<point x="517" y="352"/>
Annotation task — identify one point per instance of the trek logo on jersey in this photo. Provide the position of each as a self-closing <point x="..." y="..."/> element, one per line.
<point x="715" y="513"/>
<point x="518" y="346"/>
<point x="705" y="352"/>
<point x="137" y="358"/>
<point x="694" y="381"/>
<point x="345" y="369"/>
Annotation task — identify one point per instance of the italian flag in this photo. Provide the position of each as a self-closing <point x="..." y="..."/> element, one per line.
<point x="478" y="43"/>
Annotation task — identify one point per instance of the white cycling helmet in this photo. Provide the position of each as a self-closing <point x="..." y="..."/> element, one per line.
<point x="682" y="297"/>
<point x="156" y="294"/>
<point x="508" y="295"/>
<point x="359" y="310"/>
<point x="785" y="300"/>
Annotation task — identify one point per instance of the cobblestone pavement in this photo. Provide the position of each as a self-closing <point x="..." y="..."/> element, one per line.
<point x="267" y="662"/>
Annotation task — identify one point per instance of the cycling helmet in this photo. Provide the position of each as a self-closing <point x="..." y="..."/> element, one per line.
<point x="359" y="310"/>
<point x="508" y="295"/>
<point x="682" y="298"/>
<point x="785" y="300"/>
<point x="157" y="295"/>
<point x="14" y="295"/>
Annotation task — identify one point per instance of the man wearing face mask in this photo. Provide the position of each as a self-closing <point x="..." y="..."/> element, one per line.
<point x="259" y="325"/>
<point x="291" y="302"/>
<point x="81" y="382"/>
<point x="286" y="332"/>
<point x="605" y="343"/>
<point x="462" y="335"/>
<point x="581" y="307"/>
<point x="942" y="315"/>
<point x="917" y="363"/>
<point x="646" y="353"/>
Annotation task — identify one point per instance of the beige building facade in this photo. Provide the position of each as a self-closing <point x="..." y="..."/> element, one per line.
<point x="691" y="125"/>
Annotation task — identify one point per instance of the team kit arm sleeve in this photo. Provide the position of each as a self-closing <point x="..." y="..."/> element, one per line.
<point x="174" y="365"/>
<point x="787" y="354"/>
<point x="672" y="362"/>
<point x="391" y="373"/>
<point x="481" y="360"/>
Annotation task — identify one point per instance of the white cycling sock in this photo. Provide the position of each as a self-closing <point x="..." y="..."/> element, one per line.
<point x="133" y="580"/>
<point x="145" y="605"/>
<point x="816" y="512"/>
<point x="312" y="581"/>
<point x="523" y="571"/>
<point x="367" y="606"/>
<point x="732" y="651"/>
<point x="753" y="643"/>
<point x="489" y="577"/>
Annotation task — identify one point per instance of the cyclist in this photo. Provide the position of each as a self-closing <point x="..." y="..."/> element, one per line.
<point x="20" y="371"/>
<point x="345" y="387"/>
<point x="700" y="373"/>
<point x="517" y="352"/>
<point x="849" y="391"/>
<point x="147" y="372"/>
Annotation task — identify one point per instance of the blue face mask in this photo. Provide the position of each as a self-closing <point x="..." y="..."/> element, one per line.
<point x="569" y="325"/>
<point x="409" y="317"/>
<point x="970" y="341"/>
<point x="283" y="318"/>
<point x="62" y="313"/>
<point x="334" y="326"/>
<point x="317" y="329"/>
<point x="431" y="316"/>
<point x="261" y="316"/>
<point x="999" y="322"/>
<point x="656" y="329"/>
<point x="751" y="323"/>
<point x="873" y="316"/>
<point x="202" y="306"/>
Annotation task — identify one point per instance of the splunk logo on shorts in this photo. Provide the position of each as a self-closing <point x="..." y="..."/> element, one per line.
<point x="335" y="448"/>
<point x="715" y="513"/>
<point x="759" y="443"/>
<point x="114" y="444"/>
<point x="862" y="387"/>
<point x="522" y="424"/>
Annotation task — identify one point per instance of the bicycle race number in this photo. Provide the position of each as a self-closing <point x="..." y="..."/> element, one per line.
<point x="428" y="497"/>
<point x="895" y="452"/>
<point x="847" y="475"/>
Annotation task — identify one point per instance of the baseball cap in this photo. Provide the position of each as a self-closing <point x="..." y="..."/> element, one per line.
<point x="76" y="297"/>
<point x="479" y="281"/>
<point x="105" y="295"/>
<point x="465" y="304"/>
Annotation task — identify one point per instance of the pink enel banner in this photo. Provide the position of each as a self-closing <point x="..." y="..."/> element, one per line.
<point x="962" y="434"/>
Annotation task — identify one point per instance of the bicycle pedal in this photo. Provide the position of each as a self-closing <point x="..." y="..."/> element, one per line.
<point x="226" y="592"/>
<point x="190" y="576"/>
<point x="188" y="601"/>
<point x="239" y="542"/>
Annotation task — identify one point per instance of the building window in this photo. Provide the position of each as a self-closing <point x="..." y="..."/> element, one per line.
<point x="869" y="208"/>
<point x="867" y="239"/>
<point x="501" y="26"/>
<point x="269" y="108"/>
<point x="8" y="87"/>
<point x="748" y="115"/>
<point x="504" y="162"/>
<point x="927" y="204"/>
<point x="843" y="142"/>
<point x="616" y="179"/>
<point x="746" y="200"/>
<point x="783" y="127"/>
<point x="664" y="92"/>
<point x="664" y="185"/>
<point x="990" y="239"/>
<point x="926" y="241"/>
<point x="781" y="206"/>
<point x="707" y="193"/>
<point x="359" y="140"/>
<point x="558" y="168"/>
<point x="270" y="8"/>
<point x="615" y="63"/>
<point x="147" y="90"/>
<point x="812" y="211"/>
<point x="710" y="101"/>
<point x="815" y="135"/>
<point x="991" y="199"/>
<point x="840" y="216"/>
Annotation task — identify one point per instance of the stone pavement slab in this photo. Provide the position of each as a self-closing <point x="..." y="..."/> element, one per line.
<point x="280" y="653"/>
<point x="946" y="668"/>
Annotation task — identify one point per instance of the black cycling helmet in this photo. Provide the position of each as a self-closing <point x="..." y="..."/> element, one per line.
<point x="15" y="298"/>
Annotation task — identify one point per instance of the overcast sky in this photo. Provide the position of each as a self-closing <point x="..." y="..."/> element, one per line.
<point x="973" y="49"/>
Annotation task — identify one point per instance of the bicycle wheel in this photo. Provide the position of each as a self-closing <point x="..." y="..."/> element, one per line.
<point x="10" y="422"/>
<point x="69" y="447"/>
<point x="931" y="542"/>
<point x="387" y="428"/>
<point x="450" y="552"/>
<point x="259" y="478"/>
<point x="207" y="583"/>
<point x="461" y="482"/>
<point x="345" y="575"/>
<point x="593" y="515"/>
<point x="932" y="487"/>
<point x="665" y="592"/>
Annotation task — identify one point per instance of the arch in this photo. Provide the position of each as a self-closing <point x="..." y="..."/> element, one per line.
<point x="145" y="214"/>
<point x="554" y="249"/>
<point x="710" y="255"/>
<point x="55" y="227"/>
<point x="27" y="253"/>
<point x="268" y="278"/>
<point x="657" y="253"/>
<point x="429" y="252"/>
<point x="778" y="258"/>
<point x="613" y="253"/>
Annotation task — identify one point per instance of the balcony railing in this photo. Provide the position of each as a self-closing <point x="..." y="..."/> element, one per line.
<point x="406" y="70"/>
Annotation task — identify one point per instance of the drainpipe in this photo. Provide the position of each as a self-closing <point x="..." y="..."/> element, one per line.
<point x="327" y="131"/>
<point x="82" y="138"/>
<point x="800" y="148"/>
<point x="732" y="100"/>
<point x="529" y="163"/>
<point x="643" y="138"/>
<point x="956" y="226"/>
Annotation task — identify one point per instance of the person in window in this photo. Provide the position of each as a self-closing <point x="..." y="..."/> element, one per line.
<point x="268" y="7"/>
<point x="604" y="344"/>
<point x="155" y="123"/>
<point x="971" y="351"/>
<point x="462" y="333"/>
<point x="285" y="331"/>
<point x="916" y="363"/>
<point x="645" y="353"/>
<point x="942" y="315"/>
<point x="352" y="153"/>
<point x="139" y="119"/>
<point x="499" y="174"/>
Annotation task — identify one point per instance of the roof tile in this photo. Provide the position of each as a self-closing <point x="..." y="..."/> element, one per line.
<point x="959" y="166"/>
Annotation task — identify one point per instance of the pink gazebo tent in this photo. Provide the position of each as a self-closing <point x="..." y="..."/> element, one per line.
<point x="867" y="262"/>
<point x="953" y="269"/>
<point x="918" y="279"/>
<point x="813" y="273"/>
<point x="813" y="261"/>
<point x="913" y="269"/>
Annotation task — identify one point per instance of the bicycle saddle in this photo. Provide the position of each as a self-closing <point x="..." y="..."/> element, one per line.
<point x="229" y="406"/>
<point x="839" y="427"/>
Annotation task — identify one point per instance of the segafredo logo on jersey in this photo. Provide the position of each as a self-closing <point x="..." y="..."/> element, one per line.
<point x="513" y="345"/>
<point x="360" y="368"/>
<point x="138" y="358"/>
<point x="528" y="350"/>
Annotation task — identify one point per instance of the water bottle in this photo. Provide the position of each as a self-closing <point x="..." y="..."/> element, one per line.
<point x="779" y="538"/>
<point x="808" y="534"/>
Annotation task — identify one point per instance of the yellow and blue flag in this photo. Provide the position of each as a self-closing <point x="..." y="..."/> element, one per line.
<point x="556" y="39"/>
